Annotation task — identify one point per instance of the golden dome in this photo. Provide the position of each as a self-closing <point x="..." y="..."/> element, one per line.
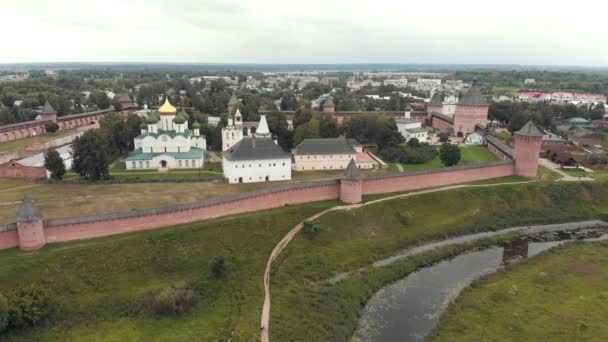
<point x="167" y="108"/>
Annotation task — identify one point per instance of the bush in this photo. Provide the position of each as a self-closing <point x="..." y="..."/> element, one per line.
<point x="51" y="127"/>
<point x="311" y="228"/>
<point x="174" y="301"/>
<point x="28" y="306"/>
<point x="3" y="313"/>
<point x="218" y="266"/>
<point x="405" y="218"/>
<point x="443" y="137"/>
<point x="412" y="154"/>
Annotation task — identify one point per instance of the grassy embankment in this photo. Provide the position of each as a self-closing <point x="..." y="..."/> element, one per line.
<point x="14" y="145"/>
<point x="100" y="286"/>
<point x="561" y="295"/>
<point x="304" y="306"/>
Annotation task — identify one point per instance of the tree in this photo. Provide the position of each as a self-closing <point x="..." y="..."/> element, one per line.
<point x="414" y="142"/>
<point x="100" y="99"/>
<point x="311" y="228"/>
<point x="302" y="116"/>
<point x="90" y="159"/>
<point x="373" y="128"/>
<point x="328" y="125"/>
<point x="277" y="123"/>
<point x="115" y="133"/>
<point x="51" y="127"/>
<point x="449" y="154"/>
<point x="308" y="130"/>
<point x="218" y="266"/>
<point x="54" y="163"/>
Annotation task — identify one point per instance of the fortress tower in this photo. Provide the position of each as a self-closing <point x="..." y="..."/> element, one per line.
<point x="471" y="110"/>
<point x="48" y="112"/>
<point x="436" y="104"/>
<point x="527" y="149"/>
<point x="30" y="227"/>
<point x="329" y="106"/>
<point x="351" y="185"/>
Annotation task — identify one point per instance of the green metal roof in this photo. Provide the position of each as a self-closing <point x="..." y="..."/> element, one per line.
<point x="194" y="153"/>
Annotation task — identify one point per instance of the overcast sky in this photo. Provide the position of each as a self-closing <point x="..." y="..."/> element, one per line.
<point x="306" y="31"/>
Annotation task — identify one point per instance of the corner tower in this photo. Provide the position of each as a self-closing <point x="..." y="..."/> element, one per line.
<point x="351" y="185"/>
<point x="528" y="141"/>
<point x="30" y="227"/>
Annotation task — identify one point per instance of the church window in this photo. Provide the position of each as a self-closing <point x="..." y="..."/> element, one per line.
<point x="260" y="165"/>
<point x="133" y="165"/>
<point x="249" y="166"/>
<point x="147" y="164"/>
<point x="141" y="164"/>
<point x="283" y="163"/>
<point x="187" y="163"/>
<point x="179" y="163"/>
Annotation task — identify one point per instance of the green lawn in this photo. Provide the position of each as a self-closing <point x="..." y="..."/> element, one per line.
<point x="561" y="295"/>
<point x="100" y="287"/>
<point x="469" y="155"/>
<point x="14" y="145"/>
<point x="305" y="307"/>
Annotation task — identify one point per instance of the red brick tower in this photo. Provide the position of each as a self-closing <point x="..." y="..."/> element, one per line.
<point x="29" y="226"/>
<point x="329" y="106"/>
<point x="351" y="185"/>
<point x="48" y="112"/>
<point x="471" y="110"/>
<point x="435" y="105"/>
<point x="528" y="141"/>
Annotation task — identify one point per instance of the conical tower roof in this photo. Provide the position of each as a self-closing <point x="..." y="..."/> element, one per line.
<point x="48" y="109"/>
<point x="352" y="172"/>
<point x="473" y="97"/>
<point x="233" y="100"/>
<point x="436" y="99"/>
<point x="529" y="130"/>
<point x="28" y="211"/>
<point x="329" y="102"/>
<point x="262" y="129"/>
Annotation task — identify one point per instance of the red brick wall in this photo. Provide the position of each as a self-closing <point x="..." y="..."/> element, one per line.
<point x="17" y="171"/>
<point x="527" y="150"/>
<point x="9" y="239"/>
<point x="435" y="179"/>
<point x="251" y="204"/>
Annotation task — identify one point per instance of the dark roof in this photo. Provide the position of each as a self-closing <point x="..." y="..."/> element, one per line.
<point x="473" y="97"/>
<point x="408" y="108"/>
<point x="529" y="130"/>
<point x="436" y="99"/>
<point x="124" y="98"/>
<point x="585" y="133"/>
<point x="329" y="102"/>
<point x="325" y="146"/>
<point x="499" y="145"/>
<point x="564" y="157"/>
<point x="443" y="117"/>
<point x="48" y="109"/>
<point x="28" y="211"/>
<point x="233" y="100"/>
<point x="416" y="130"/>
<point x="352" y="172"/>
<point x="264" y="148"/>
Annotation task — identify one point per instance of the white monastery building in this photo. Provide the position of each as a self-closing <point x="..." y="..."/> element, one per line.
<point x="167" y="143"/>
<point x="330" y="154"/>
<point x="411" y="128"/>
<point x="256" y="158"/>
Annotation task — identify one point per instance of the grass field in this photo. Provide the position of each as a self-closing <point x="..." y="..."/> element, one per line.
<point x="469" y="155"/>
<point x="305" y="306"/>
<point x="14" y="145"/>
<point x="100" y="286"/>
<point x="562" y="295"/>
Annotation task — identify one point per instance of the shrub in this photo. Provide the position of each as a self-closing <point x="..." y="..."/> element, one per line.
<point x="174" y="301"/>
<point x="28" y="306"/>
<point x="443" y="137"/>
<point x="3" y="313"/>
<point x="405" y="218"/>
<point x="51" y="127"/>
<point x="218" y="266"/>
<point x="311" y="228"/>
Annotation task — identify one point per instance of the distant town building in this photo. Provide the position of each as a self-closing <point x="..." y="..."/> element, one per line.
<point x="236" y="130"/>
<point x="398" y="83"/>
<point x="528" y="81"/>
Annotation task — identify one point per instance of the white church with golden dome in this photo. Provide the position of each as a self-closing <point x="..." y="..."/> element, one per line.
<point x="167" y="143"/>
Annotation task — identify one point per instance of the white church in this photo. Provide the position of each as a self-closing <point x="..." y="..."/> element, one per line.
<point x="250" y="154"/>
<point x="167" y="143"/>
